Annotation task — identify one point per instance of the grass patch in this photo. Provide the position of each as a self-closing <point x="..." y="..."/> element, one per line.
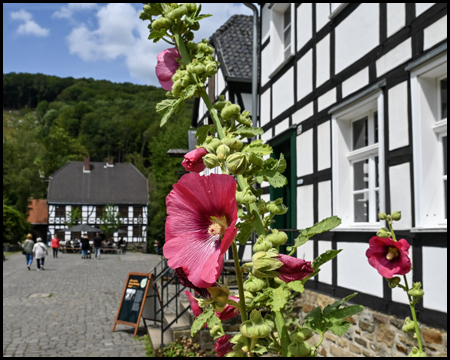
<point x="12" y="253"/>
<point x="147" y="345"/>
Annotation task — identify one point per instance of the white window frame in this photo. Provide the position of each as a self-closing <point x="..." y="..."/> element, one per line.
<point x="443" y="178"/>
<point x="343" y="158"/>
<point x="277" y="45"/>
<point x="428" y="131"/>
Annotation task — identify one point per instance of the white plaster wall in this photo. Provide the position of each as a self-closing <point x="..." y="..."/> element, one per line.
<point x="306" y="251"/>
<point x="435" y="33"/>
<point x="304" y="24"/>
<point x="326" y="270"/>
<point x="267" y="135"/>
<point x="327" y="99"/>
<point x="304" y="75"/>
<point x="279" y="128"/>
<point x="302" y="114"/>
<point x="200" y="109"/>
<point x="396" y="17"/>
<point x="323" y="60"/>
<point x="435" y="278"/>
<point x="400" y="188"/>
<point x="354" y="271"/>
<point x="283" y="93"/>
<point x="322" y="13"/>
<point x="323" y="146"/>
<point x="265" y="197"/>
<point x="266" y="65"/>
<point x="398" y="294"/>
<point x="357" y="35"/>
<point x="247" y="99"/>
<point x="398" y="116"/>
<point x="265" y="22"/>
<point x="324" y="200"/>
<point x="422" y="7"/>
<point x="265" y="108"/>
<point x="397" y="56"/>
<point x="305" y="206"/>
<point x="305" y="153"/>
<point x="355" y="82"/>
<point x="220" y="82"/>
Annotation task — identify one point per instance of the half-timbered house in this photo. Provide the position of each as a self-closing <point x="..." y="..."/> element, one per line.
<point x="90" y="187"/>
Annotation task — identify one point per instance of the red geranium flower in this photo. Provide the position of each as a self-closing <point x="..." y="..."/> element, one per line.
<point x="389" y="257"/>
<point x="201" y="225"/>
<point x="166" y="67"/>
<point x="223" y="346"/>
<point x="294" y="268"/>
<point x="193" y="160"/>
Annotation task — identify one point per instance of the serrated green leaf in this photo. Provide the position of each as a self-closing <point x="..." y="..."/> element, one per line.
<point x="262" y="297"/>
<point x="202" y="133"/>
<point x="346" y="311"/>
<point x="180" y="108"/>
<point x="282" y="164"/>
<point x="296" y="286"/>
<point x="245" y="231"/>
<point x="274" y="178"/>
<point x="257" y="147"/>
<point x="339" y="327"/>
<point x="279" y="298"/>
<point x="249" y="132"/>
<point x="200" y="321"/>
<point x="329" y="308"/>
<point x="188" y="92"/>
<point x="316" y="322"/>
<point x="156" y="35"/>
<point x="259" y="349"/>
<point x="325" y="257"/>
<point x="213" y="320"/>
<point x="166" y="108"/>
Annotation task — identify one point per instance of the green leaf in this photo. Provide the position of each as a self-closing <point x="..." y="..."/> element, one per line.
<point x="257" y="147"/>
<point x="262" y="297"/>
<point x="202" y="133"/>
<point x="281" y="164"/>
<point x="245" y="231"/>
<point x="259" y="349"/>
<point x="339" y="327"/>
<point x="296" y="286"/>
<point x="201" y="320"/>
<point x="347" y="311"/>
<point x="329" y="308"/>
<point x="189" y="92"/>
<point x="213" y="320"/>
<point x="316" y="322"/>
<point x="249" y="132"/>
<point x="180" y="108"/>
<point x="279" y="298"/>
<point x="166" y="108"/>
<point x="325" y="257"/>
<point x="156" y="35"/>
<point x="274" y="178"/>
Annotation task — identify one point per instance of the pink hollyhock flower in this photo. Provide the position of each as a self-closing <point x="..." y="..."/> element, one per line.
<point x="230" y="311"/>
<point x="166" y="67"/>
<point x="193" y="160"/>
<point x="223" y="346"/>
<point x="389" y="257"/>
<point x="196" y="309"/>
<point x="293" y="268"/>
<point x="200" y="227"/>
<point x="182" y="278"/>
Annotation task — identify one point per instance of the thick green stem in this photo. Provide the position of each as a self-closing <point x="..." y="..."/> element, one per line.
<point x="282" y="333"/>
<point x="321" y="340"/>
<point x="413" y="313"/>
<point x="182" y="49"/>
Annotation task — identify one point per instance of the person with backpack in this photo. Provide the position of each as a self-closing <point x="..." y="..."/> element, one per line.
<point x="39" y="252"/>
<point x="28" y="250"/>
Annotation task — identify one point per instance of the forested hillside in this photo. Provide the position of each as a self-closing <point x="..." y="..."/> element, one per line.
<point x="48" y="121"/>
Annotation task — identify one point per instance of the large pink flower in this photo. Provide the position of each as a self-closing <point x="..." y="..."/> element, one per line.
<point x="201" y="225"/>
<point x="166" y="67"/>
<point x="389" y="257"/>
<point x="193" y="160"/>
<point x="293" y="268"/>
<point x="223" y="346"/>
<point x="196" y="309"/>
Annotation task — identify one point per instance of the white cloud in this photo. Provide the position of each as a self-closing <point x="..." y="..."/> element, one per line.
<point x="120" y="33"/>
<point x="69" y="9"/>
<point x="30" y="27"/>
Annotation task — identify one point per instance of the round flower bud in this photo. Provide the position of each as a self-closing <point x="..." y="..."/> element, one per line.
<point x="383" y="233"/>
<point x="302" y="349"/>
<point x="191" y="46"/>
<point x="277" y="207"/>
<point x="195" y="26"/>
<point x="255" y="159"/>
<point x="301" y="334"/>
<point x="211" y="69"/>
<point x="408" y="325"/>
<point x="222" y="152"/>
<point x="233" y="143"/>
<point x="396" y="215"/>
<point x="205" y="48"/>
<point x="191" y="7"/>
<point x="244" y="118"/>
<point x="176" y="88"/>
<point x="185" y="80"/>
<point x="211" y="161"/>
<point x="248" y="297"/>
<point x="221" y="103"/>
<point x="236" y="163"/>
<point x="144" y="15"/>
<point x="152" y="9"/>
<point x="230" y="111"/>
<point x="215" y="331"/>
<point x="382" y="216"/>
<point x="262" y="246"/>
<point x="416" y="290"/>
<point x="277" y="238"/>
<point x="393" y="282"/>
<point x="214" y="143"/>
<point x="177" y="13"/>
<point x="415" y="352"/>
<point x="256" y="327"/>
<point x="161" y="23"/>
<point x="254" y="284"/>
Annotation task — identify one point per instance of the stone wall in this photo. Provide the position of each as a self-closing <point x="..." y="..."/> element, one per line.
<point x="371" y="333"/>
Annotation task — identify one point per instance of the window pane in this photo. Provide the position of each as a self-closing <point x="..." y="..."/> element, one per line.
<point x="375" y="120"/>
<point x="360" y="136"/>
<point x="361" y="175"/>
<point x="377" y="172"/>
<point x="377" y="203"/>
<point x="443" y="86"/>
<point x="361" y="206"/>
<point x="287" y="37"/>
<point x="444" y="146"/>
<point x="287" y="17"/>
<point x="287" y="52"/>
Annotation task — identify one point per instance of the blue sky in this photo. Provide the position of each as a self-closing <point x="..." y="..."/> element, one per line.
<point x="102" y="41"/>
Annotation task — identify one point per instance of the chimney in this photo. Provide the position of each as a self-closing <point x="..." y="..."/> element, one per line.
<point x="87" y="166"/>
<point x="110" y="162"/>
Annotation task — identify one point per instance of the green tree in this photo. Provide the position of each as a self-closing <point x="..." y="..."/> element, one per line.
<point x="15" y="225"/>
<point x="74" y="217"/>
<point x="110" y="221"/>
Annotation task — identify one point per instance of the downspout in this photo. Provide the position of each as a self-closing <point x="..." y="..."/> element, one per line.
<point x="255" y="64"/>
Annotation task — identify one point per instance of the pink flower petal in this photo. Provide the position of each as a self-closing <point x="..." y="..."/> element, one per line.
<point x="193" y="160"/>
<point x="230" y="311"/>
<point x="223" y="346"/>
<point x="294" y="268"/>
<point x="196" y="309"/>
<point x="166" y="67"/>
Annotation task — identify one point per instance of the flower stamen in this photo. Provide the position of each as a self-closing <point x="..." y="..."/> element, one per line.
<point x="392" y="253"/>
<point x="215" y="229"/>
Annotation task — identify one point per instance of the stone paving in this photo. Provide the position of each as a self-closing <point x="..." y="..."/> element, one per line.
<point x="76" y="318"/>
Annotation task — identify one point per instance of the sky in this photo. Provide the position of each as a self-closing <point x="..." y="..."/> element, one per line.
<point x="100" y="41"/>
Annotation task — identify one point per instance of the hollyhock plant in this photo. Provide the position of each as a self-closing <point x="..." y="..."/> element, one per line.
<point x="200" y="227"/>
<point x="389" y="257"/>
<point x="166" y="67"/>
<point x="293" y="268"/>
<point x="228" y="313"/>
<point x="223" y="346"/>
<point x="182" y="278"/>
<point x="193" y="160"/>
<point x="196" y="309"/>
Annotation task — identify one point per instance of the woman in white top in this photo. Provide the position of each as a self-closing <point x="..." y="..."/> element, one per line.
<point x="39" y="252"/>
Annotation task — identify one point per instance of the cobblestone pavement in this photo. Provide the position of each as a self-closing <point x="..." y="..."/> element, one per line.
<point x="77" y="318"/>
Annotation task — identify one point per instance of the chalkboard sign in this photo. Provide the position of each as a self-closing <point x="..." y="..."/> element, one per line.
<point x="133" y="300"/>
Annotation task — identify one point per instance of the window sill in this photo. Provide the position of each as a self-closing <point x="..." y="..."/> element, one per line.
<point x="279" y="67"/>
<point x="440" y="229"/>
<point x="440" y="126"/>
<point x="368" y="228"/>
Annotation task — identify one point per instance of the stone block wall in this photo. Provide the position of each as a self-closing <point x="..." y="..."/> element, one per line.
<point x="371" y="333"/>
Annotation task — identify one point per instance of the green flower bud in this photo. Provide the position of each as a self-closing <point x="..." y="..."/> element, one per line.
<point x="277" y="207"/>
<point x="176" y="88"/>
<point x="211" y="69"/>
<point x="277" y="238"/>
<point x="145" y="15"/>
<point x="177" y="13"/>
<point x="255" y="159"/>
<point x="256" y="327"/>
<point x="300" y="349"/>
<point x="161" y="23"/>
<point x="244" y="118"/>
<point x="262" y="246"/>
<point x="262" y="207"/>
<point x="222" y="152"/>
<point x="393" y="283"/>
<point x="254" y="284"/>
<point x="301" y="334"/>
<point x="415" y="352"/>
<point x="195" y="26"/>
<point x="237" y="163"/>
<point x="396" y="215"/>
<point x="152" y="9"/>
<point x="219" y="296"/>
<point x="408" y="325"/>
<point x="185" y="80"/>
<point x="191" y="46"/>
<point x="248" y="298"/>
<point x="265" y="265"/>
<point x="191" y="7"/>
<point x="232" y="143"/>
<point x="221" y="103"/>
<point x="205" y="48"/>
<point x="383" y="233"/>
<point x="382" y="216"/>
<point x="416" y="290"/>
<point x="230" y="111"/>
<point x="215" y="331"/>
<point x="189" y="35"/>
<point x="211" y="161"/>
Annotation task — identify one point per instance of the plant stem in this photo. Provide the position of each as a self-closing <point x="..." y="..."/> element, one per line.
<point x="392" y="230"/>
<point x="413" y="313"/>
<point x="282" y="333"/>
<point x="321" y="340"/>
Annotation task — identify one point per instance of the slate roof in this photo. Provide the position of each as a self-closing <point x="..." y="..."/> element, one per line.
<point x="233" y="42"/>
<point x="120" y="184"/>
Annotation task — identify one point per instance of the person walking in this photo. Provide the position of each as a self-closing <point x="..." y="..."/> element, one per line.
<point x="55" y="246"/>
<point x="28" y="248"/>
<point x="39" y="252"/>
<point x="97" y="245"/>
<point x="84" y="246"/>
<point x="156" y="247"/>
